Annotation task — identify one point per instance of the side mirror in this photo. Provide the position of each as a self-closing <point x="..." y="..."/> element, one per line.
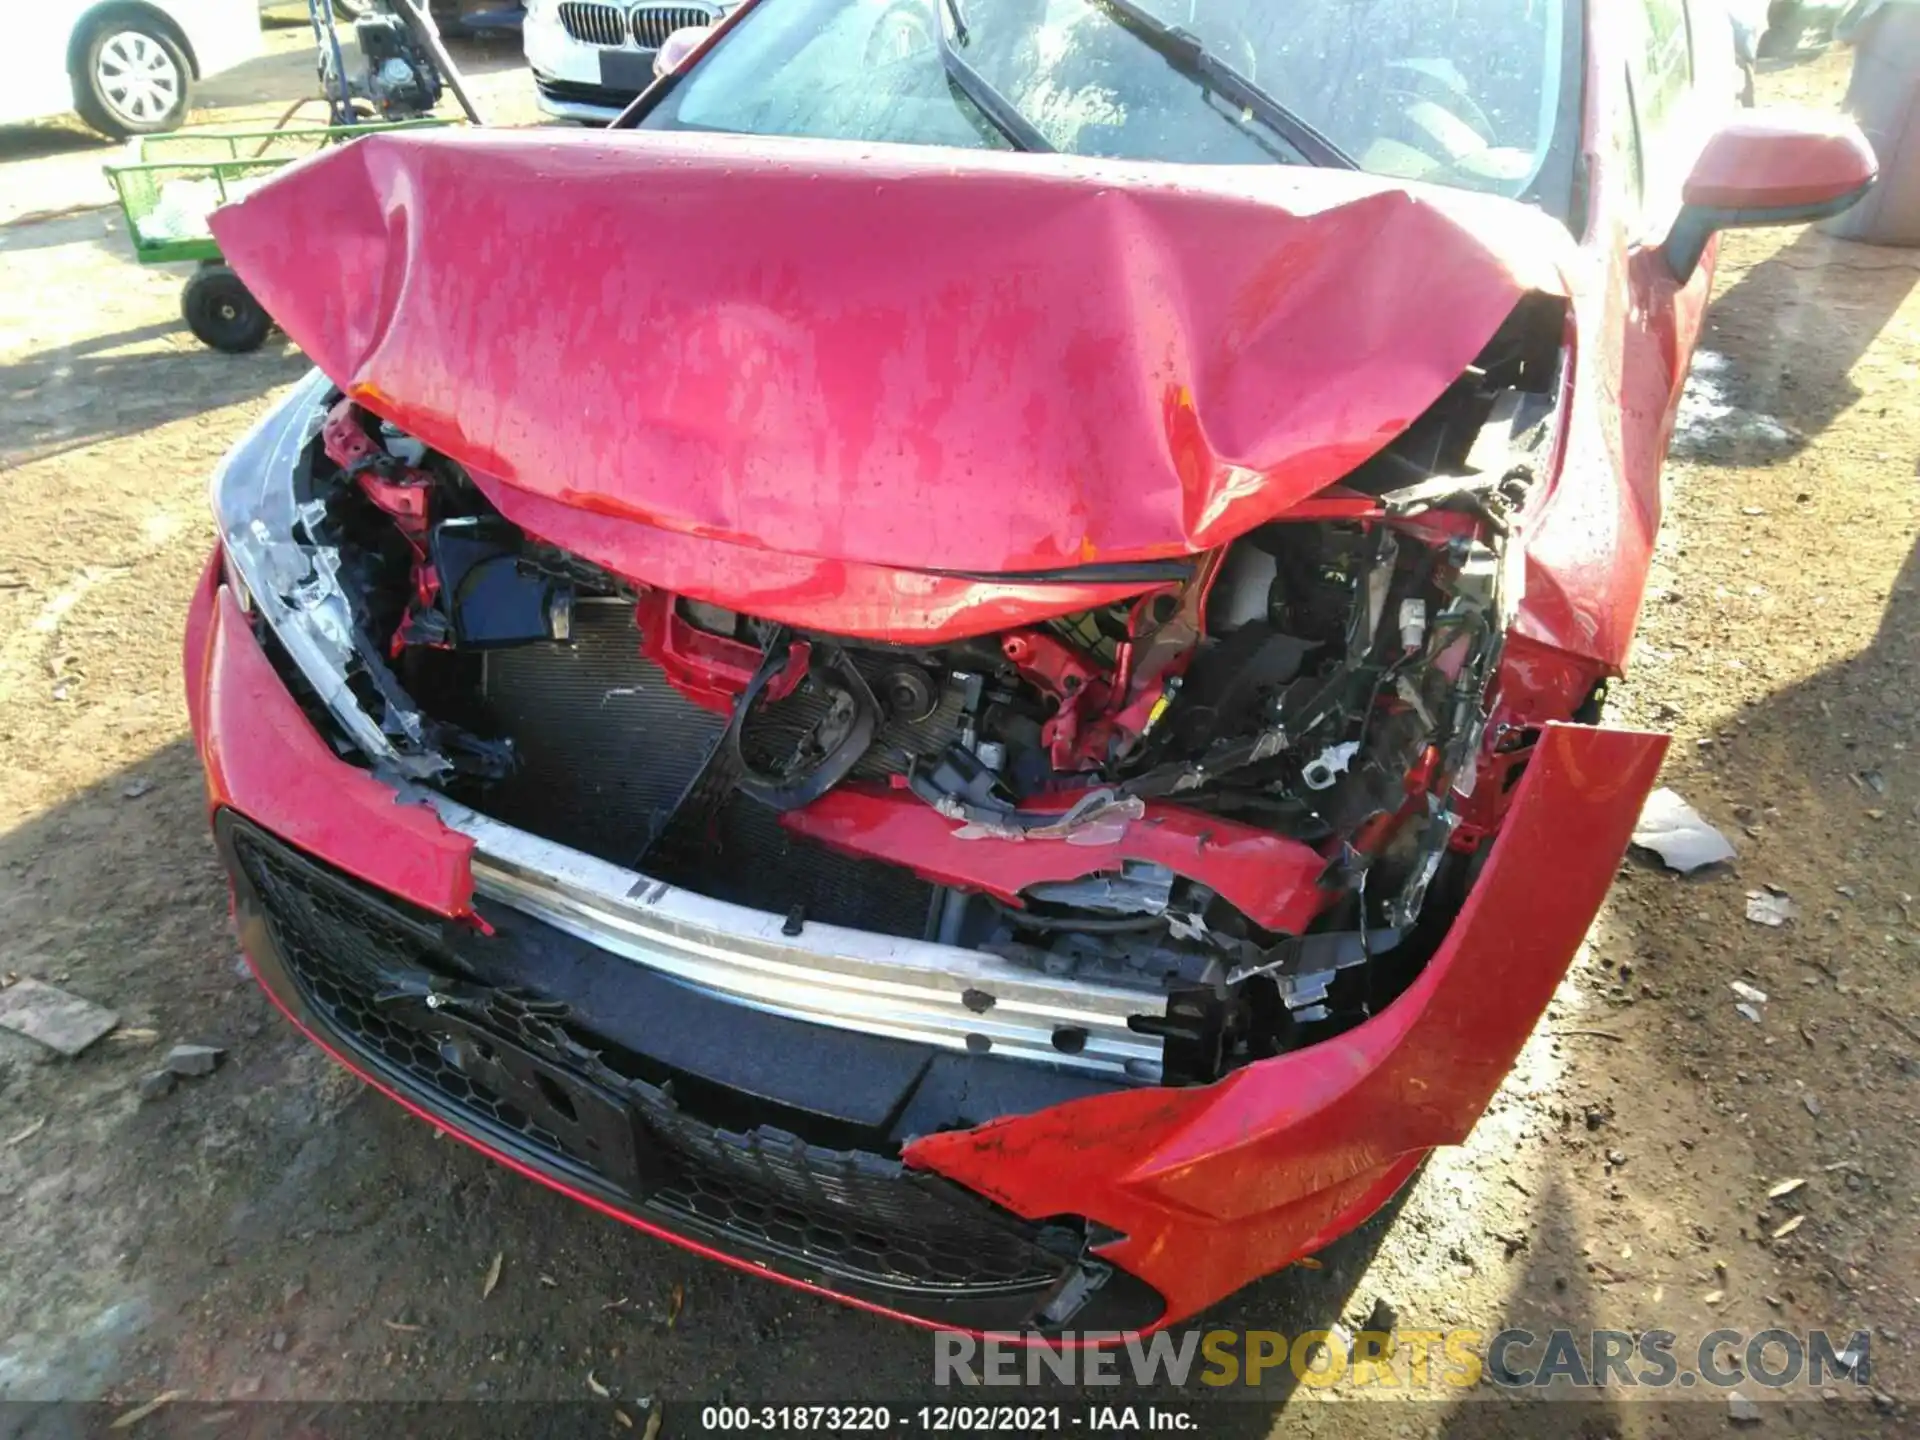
<point x="1770" y="168"/>
<point x="677" y="47"/>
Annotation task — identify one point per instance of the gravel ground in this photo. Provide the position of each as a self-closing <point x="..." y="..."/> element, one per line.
<point x="273" y="1231"/>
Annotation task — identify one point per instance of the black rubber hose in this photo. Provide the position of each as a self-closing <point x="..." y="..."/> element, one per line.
<point x="794" y="793"/>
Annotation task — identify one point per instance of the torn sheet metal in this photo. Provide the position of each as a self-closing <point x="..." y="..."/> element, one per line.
<point x="954" y="362"/>
<point x="1273" y="880"/>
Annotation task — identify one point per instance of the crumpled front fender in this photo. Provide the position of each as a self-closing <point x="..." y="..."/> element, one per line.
<point x="1213" y="1184"/>
<point x="263" y="757"/>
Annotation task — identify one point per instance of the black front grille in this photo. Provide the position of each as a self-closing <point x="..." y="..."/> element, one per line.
<point x="652" y="24"/>
<point x="386" y="984"/>
<point x="593" y="24"/>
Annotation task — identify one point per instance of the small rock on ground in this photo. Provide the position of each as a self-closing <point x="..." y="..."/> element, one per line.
<point x="193" y="1060"/>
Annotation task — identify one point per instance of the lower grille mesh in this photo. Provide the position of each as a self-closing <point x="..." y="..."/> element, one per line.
<point x="351" y="954"/>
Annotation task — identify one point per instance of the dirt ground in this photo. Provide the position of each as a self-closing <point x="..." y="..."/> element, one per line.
<point x="274" y="1231"/>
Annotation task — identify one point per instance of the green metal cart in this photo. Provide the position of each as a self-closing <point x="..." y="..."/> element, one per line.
<point x="174" y="182"/>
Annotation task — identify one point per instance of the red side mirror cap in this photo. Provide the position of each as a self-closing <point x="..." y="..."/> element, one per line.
<point x="1770" y="167"/>
<point x="1782" y="160"/>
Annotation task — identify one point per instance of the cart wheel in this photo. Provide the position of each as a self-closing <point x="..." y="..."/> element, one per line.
<point x="222" y="312"/>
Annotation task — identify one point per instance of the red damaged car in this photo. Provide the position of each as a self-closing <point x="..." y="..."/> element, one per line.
<point x="963" y="663"/>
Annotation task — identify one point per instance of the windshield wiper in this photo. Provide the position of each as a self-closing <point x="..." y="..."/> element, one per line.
<point x="1187" y="54"/>
<point x="1005" y="116"/>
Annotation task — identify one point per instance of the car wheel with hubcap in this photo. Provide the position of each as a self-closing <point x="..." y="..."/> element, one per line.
<point x="132" y="79"/>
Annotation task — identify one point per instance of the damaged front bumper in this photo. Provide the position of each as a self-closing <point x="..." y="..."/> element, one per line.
<point x="854" y="980"/>
<point x="657" y="1103"/>
<point x="631" y="1045"/>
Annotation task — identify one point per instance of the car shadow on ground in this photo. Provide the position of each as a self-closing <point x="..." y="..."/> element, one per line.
<point x="50" y="137"/>
<point x="1777" y="406"/>
<point x="52" y="394"/>
<point x="1847" y="742"/>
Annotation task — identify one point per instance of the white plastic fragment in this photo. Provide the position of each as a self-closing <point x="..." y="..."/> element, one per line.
<point x="1675" y="831"/>
<point x="1330" y="765"/>
<point x="1766" y="908"/>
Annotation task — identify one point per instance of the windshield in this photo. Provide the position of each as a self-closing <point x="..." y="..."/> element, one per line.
<point x="1480" y="94"/>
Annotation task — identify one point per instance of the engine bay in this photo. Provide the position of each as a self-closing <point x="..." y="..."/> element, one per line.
<point x="1251" y="795"/>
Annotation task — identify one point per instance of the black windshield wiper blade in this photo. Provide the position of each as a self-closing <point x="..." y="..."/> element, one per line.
<point x="1005" y="116"/>
<point x="1186" y="53"/>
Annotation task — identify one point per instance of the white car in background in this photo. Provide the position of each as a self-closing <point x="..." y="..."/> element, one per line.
<point x="127" y="66"/>
<point x="591" y="57"/>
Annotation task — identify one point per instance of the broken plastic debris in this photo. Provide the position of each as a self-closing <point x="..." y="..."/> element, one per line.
<point x="1749" y="993"/>
<point x="1100" y="818"/>
<point x="1674" y="831"/>
<point x="1331" y="764"/>
<point x="1766" y="908"/>
<point x="28" y="1133"/>
<point x="60" y="1021"/>
<point x="140" y="1412"/>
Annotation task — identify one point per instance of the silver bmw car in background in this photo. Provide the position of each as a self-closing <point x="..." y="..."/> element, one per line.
<point x="591" y="57"/>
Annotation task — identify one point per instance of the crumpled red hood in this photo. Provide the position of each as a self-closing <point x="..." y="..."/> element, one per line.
<point x="886" y="356"/>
